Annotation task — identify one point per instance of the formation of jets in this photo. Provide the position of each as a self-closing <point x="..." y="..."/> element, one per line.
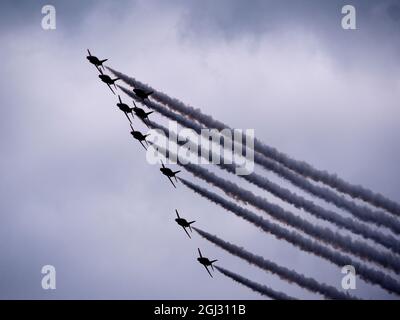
<point x="95" y="61"/>
<point x="141" y="95"/>
<point x="202" y="260"/>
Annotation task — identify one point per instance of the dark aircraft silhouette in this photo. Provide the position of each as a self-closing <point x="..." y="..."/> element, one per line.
<point x="183" y="223"/>
<point x="95" y="61"/>
<point x="125" y="109"/>
<point x="107" y="80"/>
<point x="205" y="262"/>
<point x="139" y="137"/>
<point x="169" y="173"/>
<point x="142" y="94"/>
<point x="141" y="113"/>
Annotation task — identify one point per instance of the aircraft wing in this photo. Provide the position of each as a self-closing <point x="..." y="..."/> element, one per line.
<point x="143" y="145"/>
<point x="187" y="232"/>
<point x="171" y="182"/>
<point x="111" y="88"/>
<point x="208" y="271"/>
<point x="126" y="115"/>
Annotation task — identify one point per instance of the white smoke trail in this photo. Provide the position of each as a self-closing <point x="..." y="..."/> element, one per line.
<point x="386" y="240"/>
<point x="282" y="272"/>
<point x="335" y="239"/>
<point x="264" y="290"/>
<point x="303" y="168"/>
<point x="361" y="212"/>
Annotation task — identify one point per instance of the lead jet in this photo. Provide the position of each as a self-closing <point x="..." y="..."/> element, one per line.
<point x="169" y="173"/>
<point x="108" y="81"/>
<point x="206" y="262"/>
<point x="125" y="108"/>
<point x="183" y="223"/>
<point x="141" y="114"/>
<point x="142" y="94"/>
<point x="95" y="61"/>
<point x="139" y="137"/>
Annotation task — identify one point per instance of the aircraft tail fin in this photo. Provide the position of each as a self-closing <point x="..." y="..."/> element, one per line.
<point x="190" y="226"/>
<point x="212" y="261"/>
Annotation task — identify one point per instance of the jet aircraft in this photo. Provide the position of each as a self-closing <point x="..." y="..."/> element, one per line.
<point x="206" y="262"/>
<point x="95" y="61"/>
<point x="184" y="223"/>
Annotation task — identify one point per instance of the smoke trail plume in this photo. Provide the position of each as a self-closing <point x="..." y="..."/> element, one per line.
<point x="300" y="202"/>
<point x="361" y="212"/>
<point x="303" y="168"/>
<point x="335" y="239"/>
<point x="298" y="240"/>
<point x="284" y="273"/>
<point x="368" y="274"/>
<point x="264" y="290"/>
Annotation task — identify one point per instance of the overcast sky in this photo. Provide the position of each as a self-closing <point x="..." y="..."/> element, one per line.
<point x="76" y="190"/>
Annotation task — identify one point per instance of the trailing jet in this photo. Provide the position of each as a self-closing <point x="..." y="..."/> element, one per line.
<point x="108" y="81"/>
<point x="205" y="262"/>
<point x="142" y="94"/>
<point x="95" y="61"/>
<point x="183" y="223"/>
<point x="169" y="173"/>
<point x="125" y="108"/>
<point x="139" y="137"/>
<point x="141" y="113"/>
